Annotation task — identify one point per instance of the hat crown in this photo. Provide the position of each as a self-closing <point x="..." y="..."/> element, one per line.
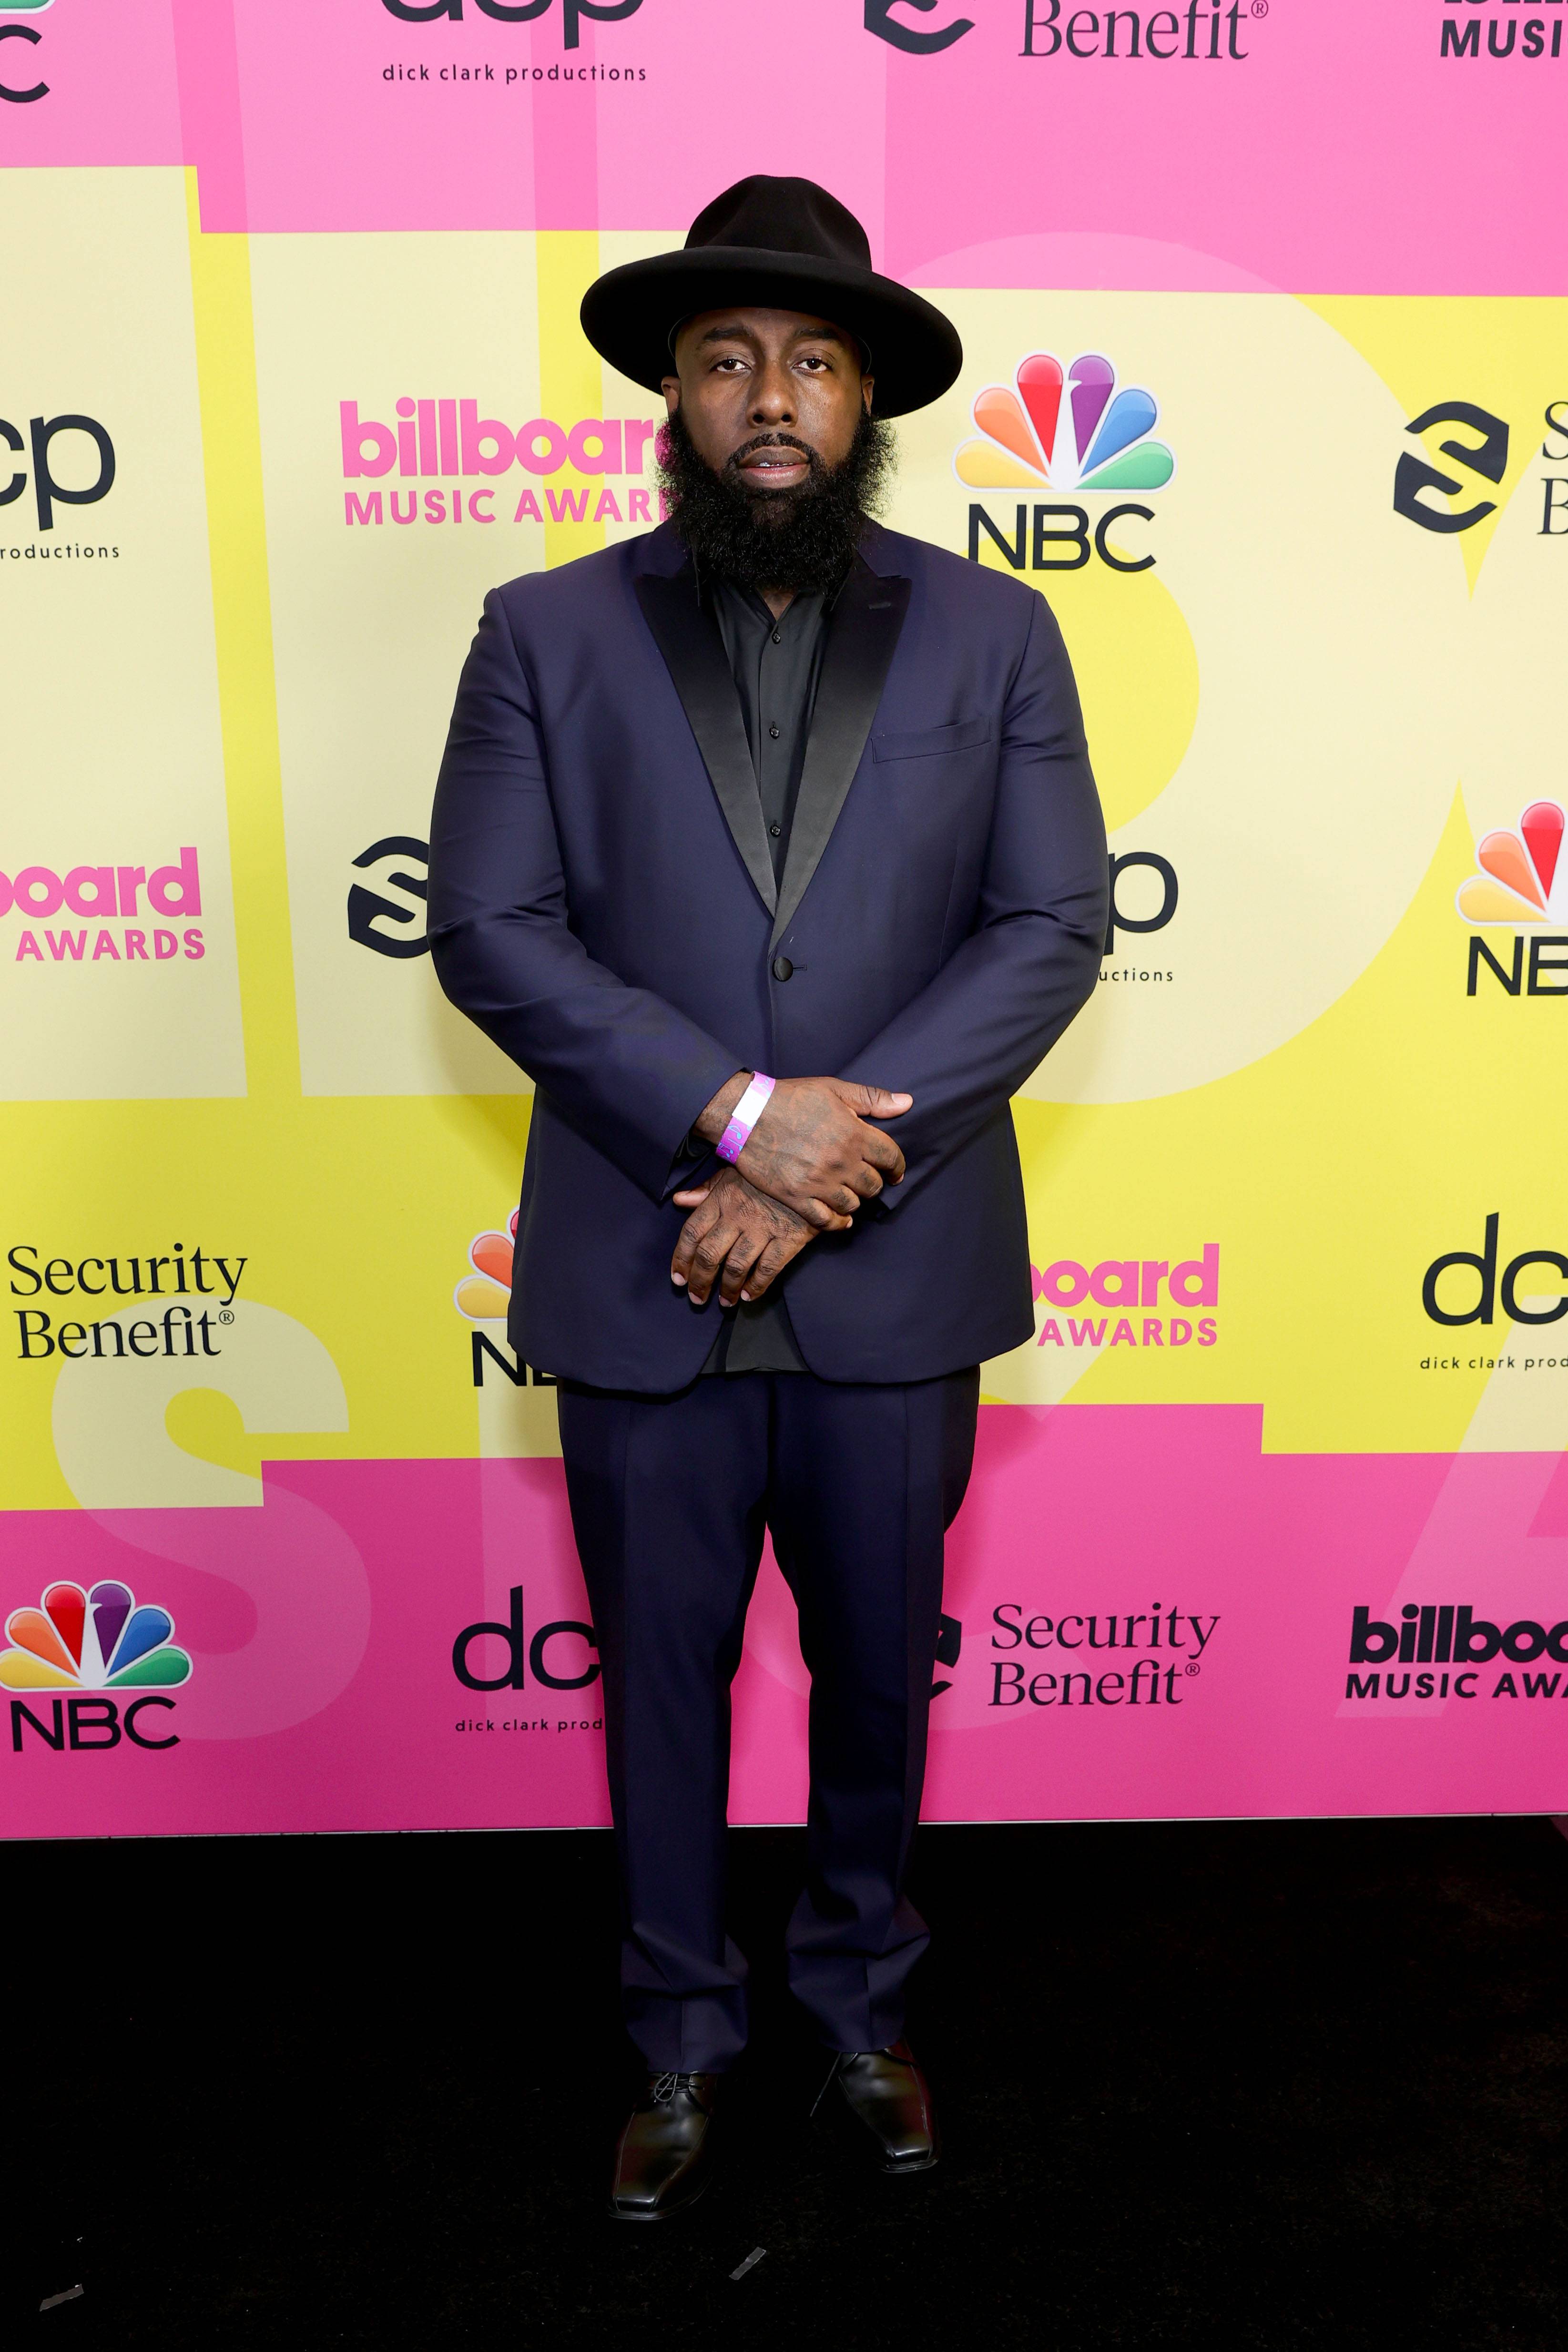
<point x="782" y="215"/>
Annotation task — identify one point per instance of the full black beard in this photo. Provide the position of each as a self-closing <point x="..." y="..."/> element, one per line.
<point x="803" y="539"/>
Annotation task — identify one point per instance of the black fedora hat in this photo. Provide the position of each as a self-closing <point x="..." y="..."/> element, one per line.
<point x="781" y="245"/>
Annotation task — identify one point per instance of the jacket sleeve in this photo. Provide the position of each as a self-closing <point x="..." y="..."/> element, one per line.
<point x="628" y="1070"/>
<point x="968" y="1041"/>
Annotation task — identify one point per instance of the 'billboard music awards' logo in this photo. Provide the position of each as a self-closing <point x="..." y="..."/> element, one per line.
<point x="434" y="438"/>
<point x="1536" y="38"/>
<point x="1441" y="1647"/>
<point x="97" y="892"/>
<point x="1119" y="1286"/>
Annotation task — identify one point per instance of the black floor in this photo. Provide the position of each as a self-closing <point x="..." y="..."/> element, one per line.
<point x="1218" y="2086"/>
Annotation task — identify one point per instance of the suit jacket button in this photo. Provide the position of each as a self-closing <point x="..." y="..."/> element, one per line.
<point x="782" y="967"/>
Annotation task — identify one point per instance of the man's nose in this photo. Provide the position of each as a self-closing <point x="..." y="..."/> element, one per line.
<point x="772" y="397"/>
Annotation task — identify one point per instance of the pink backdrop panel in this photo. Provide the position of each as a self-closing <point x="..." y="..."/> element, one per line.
<point x="1209" y="1600"/>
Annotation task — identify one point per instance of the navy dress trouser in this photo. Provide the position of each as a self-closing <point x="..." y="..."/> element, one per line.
<point x="671" y="1496"/>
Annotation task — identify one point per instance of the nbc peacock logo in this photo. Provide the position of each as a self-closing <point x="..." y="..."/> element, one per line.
<point x="98" y="1640"/>
<point x="1066" y="429"/>
<point x="484" y="1294"/>
<point x="1523" y="876"/>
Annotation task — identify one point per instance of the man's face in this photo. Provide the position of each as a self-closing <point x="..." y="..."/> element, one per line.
<point x="758" y="389"/>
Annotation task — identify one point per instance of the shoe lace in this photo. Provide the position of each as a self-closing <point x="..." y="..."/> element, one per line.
<point x="665" y="2087"/>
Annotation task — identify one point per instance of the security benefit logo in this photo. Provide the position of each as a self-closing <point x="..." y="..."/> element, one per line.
<point x="189" y="1300"/>
<point x="1443" y="1650"/>
<point x="433" y="450"/>
<point x="900" y="35"/>
<point x="1445" y="502"/>
<point x="553" y="1658"/>
<point x="1200" y="32"/>
<point x="98" y="1642"/>
<point x="56" y="464"/>
<point x="1521" y="891"/>
<point x="386" y="910"/>
<point x="1146" y="1657"/>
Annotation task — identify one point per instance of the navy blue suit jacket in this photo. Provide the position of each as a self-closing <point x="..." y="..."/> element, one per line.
<point x="602" y="905"/>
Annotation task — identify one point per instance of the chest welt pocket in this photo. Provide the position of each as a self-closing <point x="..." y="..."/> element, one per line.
<point x="929" y="741"/>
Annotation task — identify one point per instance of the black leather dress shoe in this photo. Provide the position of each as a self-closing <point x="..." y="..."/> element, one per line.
<point x="663" y="2159"/>
<point x="892" y="2098"/>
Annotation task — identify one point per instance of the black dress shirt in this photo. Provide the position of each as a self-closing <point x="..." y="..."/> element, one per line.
<point x="776" y="663"/>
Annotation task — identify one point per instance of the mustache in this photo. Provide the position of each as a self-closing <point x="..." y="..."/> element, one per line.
<point x="737" y="457"/>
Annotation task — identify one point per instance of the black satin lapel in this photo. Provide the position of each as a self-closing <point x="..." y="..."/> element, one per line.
<point x="861" y="643"/>
<point x="693" y="651"/>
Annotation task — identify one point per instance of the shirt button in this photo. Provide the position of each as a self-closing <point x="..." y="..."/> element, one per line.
<point x="775" y="829"/>
<point x="773" y="731"/>
<point x="778" y="637"/>
<point x="782" y="967"/>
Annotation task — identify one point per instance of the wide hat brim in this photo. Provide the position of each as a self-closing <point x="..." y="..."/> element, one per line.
<point x="630" y="313"/>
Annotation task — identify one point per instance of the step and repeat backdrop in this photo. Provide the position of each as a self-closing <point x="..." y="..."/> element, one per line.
<point x="1266" y="391"/>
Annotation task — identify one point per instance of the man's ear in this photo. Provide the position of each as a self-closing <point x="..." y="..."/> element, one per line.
<point x="671" y="387"/>
<point x="868" y="385"/>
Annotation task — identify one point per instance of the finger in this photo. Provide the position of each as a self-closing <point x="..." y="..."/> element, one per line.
<point x="874" y="1102"/>
<point x="827" y="1216"/>
<point x="709" y="1259"/>
<point x="773" y="1259"/>
<point x="692" y="1199"/>
<point x="881" y="1152"/>
<point x="698" y="1222"/>
<point x="747" y="1248"/>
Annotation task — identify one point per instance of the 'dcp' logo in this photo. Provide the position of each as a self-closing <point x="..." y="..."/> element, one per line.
<point x="8" y="91"/>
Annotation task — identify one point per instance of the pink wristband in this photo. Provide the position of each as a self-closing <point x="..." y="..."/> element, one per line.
<point x="745" y="1117"/>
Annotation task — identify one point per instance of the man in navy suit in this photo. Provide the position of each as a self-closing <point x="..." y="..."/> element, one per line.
<point x="767" y="844"/>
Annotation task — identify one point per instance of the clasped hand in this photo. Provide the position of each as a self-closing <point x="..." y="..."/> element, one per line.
<point x="807" y="1165"/>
